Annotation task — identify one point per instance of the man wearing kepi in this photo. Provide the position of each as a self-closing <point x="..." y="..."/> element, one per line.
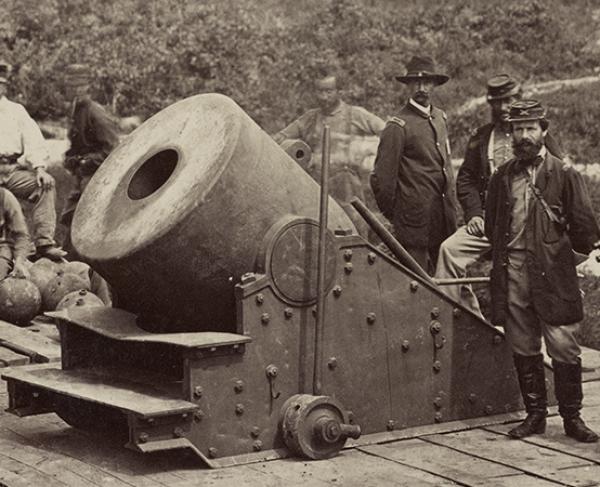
<point x="346" y="123"/>
<point x="93" y="135"/>
<point x="412" y="180"/>
<point x="489" y="147"/>
<point x="537" y="213"/>
<point x="23" y="171"/>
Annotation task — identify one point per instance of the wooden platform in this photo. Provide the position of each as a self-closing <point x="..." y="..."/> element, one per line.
<point x="43" y="450"/>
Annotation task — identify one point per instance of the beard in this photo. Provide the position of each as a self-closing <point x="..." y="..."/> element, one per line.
<point x="526" y="150"/>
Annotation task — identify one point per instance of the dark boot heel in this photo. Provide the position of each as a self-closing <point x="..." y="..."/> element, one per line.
<point x="534" y="424"/>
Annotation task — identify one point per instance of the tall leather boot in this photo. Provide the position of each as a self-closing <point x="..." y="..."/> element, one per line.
<point x="532" y="381"/>
<point x="567" y="386"/>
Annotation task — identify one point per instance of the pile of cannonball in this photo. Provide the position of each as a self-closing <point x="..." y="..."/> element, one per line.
<point x="51" y="286"/>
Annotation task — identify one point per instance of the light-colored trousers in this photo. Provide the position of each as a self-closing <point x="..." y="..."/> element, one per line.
<point x="23" y="184"/>
<point x="457" y="252"/>
<point x="524" y="329"/>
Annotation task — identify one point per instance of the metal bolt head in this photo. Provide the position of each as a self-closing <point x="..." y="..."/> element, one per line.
<point x="255" y="432"/>
<point x="332" y="363"/>
<point x="178" y="433"/>
<point x="239" y="409"/>
<point x="348" y="268"/>
<point x="198" y="415"/>
<point x="414" y="285"/>
<point x="405" y="345"/>
<point x="143" y="437"/>
<point x="371" y="318"/>
<point x="288" y="313"/>
<point x="238" y="387"/>
<point x="213" y="452"/>
<point x="391" y="424"/>
<point x="272" y="371"/>
<point x="198" y="391"/>
<point x="437" y="366"/>
<point x="337" y="291"/>
<point x="348" y="255"/>
<point x="435" y="312"/>
<point x="150" y="420"/>
<point x="472" y="398"/>
<point x="438" y="417"/>
<point x="257" y="445"/>
<point x="456" y="312"/>
<point x="497" y="339"/>
<point x="435" y="327"/>
<point x="260" y="298"/>
<point x="314" y="311"/>
<point x="265" y="318"/>
<point x="371" y="258"/>
<point x="437" y="402"/>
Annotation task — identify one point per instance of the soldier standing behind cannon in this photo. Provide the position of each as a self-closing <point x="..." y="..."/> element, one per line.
<point x="537" y="212"/>
<point x="93" y="135"/>
<point x="346" y="122"/>
<point x="23" y="170"/>
<point x="413" y="181"/>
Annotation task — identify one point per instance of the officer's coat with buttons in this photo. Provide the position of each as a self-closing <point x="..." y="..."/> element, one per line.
<point x="413" y="180"/>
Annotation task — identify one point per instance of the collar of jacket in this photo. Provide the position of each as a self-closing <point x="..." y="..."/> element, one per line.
<point x="414" y="109"/>
<point x="544" y="171"/>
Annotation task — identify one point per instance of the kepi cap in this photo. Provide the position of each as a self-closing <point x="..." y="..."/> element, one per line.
<point x="422" y="67"/>
<point x="502" y="86"/>
<point x="526" y="110"/>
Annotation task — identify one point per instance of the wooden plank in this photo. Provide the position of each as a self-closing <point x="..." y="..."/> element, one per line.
<point x="534" y="460"/>
<point x="555" y="437"/>
<point x="20" y="340"/>
<point x="9" y="358"/>
<point x="351" y="468"/>
<point x="11" y="470"/>
<point x="453" y="465"/>
<point x="89" y="386"/>
<point x="590" y="359"/>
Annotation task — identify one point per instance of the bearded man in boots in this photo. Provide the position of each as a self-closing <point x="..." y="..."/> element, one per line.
<point x="538" y="212"/>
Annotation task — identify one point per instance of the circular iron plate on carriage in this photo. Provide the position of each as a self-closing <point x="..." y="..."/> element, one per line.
<point x="294" y="261"/>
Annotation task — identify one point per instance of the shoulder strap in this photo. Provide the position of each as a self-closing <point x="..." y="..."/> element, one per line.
<point x="553" y="217"/>
<point x="398" y="121"/>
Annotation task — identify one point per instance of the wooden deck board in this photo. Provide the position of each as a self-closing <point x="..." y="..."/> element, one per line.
<point x="9" y="358"/>
<point x="21" y="340"/>
<point x="453" y="465"/>
<point x="532" y="459"/>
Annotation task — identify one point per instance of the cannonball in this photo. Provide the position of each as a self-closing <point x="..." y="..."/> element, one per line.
<point x="80" y="269"/>
<point x="41" y="275"/>
<point x="81" y="298"/>
<point x="20" y="300"/>
<point x="45" y="262"/>
<point x="59" y="286"/>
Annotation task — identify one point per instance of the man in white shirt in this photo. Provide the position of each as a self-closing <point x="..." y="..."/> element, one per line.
<point x="23" y="170"/>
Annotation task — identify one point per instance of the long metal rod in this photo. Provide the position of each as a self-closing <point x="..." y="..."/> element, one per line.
<point x="450" y="281"/>
<point x="388" y="239"/>
<point x="320" y="319"/>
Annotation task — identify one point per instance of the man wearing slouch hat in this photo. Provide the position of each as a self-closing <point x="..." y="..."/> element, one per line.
<point x="537" y="213"/>
<point x="413" y="180"/>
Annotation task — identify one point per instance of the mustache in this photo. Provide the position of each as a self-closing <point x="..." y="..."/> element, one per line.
<point x="526" y="149"/>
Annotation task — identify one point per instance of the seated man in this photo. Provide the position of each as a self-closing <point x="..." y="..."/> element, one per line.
<point x="14" y="237"/>
<point x="22" y="140"/>
<point x="489" y="147"/>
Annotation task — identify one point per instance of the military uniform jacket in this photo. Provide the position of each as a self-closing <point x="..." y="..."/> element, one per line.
<point x="475" y="172"/>
<point x="93" y="134"/>
<point x="550" y="261"/>
<point x="413" y="180"/>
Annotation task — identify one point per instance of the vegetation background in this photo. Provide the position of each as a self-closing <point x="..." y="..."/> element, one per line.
<point x="146" y="54"/>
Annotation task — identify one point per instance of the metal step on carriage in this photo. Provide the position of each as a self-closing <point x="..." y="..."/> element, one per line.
<point x="246" y="331"/>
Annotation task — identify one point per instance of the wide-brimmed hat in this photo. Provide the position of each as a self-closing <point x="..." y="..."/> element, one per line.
<point x="502" y="86"/>
<point x="77" y="75"/>
<point x="5" y="70"/>
<point x="526" y="111"/>
<point x="422" y="67"/>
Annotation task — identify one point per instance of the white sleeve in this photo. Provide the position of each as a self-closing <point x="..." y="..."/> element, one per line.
<point x="34" y="146"/>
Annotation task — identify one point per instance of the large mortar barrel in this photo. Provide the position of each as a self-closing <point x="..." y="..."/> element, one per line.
<point x="179" y="210"/>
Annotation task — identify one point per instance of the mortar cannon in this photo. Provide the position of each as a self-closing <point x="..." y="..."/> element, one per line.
<point x="208" y="232"/>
